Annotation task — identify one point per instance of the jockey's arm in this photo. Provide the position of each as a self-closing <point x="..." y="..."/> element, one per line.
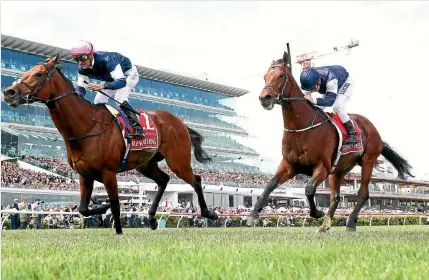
<point x="331" y="93"/>
<point x="81" y="86"/>
<point x="119" y="79"/>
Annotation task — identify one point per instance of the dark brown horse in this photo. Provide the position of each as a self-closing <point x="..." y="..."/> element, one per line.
<point x="310" y="145"/>
<point x="95" y="144"/>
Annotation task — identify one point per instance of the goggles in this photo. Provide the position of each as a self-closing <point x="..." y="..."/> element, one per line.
<point x="82" y="57"/>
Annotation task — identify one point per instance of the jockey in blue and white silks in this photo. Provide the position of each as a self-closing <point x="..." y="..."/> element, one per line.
<point x="335" y="87"/>
<point x="117" y="72"/>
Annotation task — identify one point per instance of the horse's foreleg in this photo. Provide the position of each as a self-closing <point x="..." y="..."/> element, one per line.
<point x="111" y="185"/>
<point x="319" y="174"/>
<point x="363" y="194"/>
<point x="284" y="172"/>
<point x="334" y="186"/>
<point x="153" y="172"/>
<point x="86" y="187"/>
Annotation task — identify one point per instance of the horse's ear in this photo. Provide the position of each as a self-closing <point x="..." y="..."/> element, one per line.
<point x="55" y="59"/>
<point x="285" y="58"/>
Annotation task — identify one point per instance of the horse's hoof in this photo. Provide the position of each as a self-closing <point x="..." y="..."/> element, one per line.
<point x="319" y="214"/>
<point x="211" y="215"/>
<point x="119" y="233"/>
<point x="214" y="216"/>
<point x="154" y="225"/>
<point x="322" y="229"/>
<point x="351" y="229"/>
<point x="251" y="221"/>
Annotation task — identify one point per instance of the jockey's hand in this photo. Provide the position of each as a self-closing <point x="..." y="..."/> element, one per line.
<point x="95" y="87"/>
<point x="308" y="97"/>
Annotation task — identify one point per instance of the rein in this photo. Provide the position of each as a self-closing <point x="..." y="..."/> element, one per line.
<point x="282" y="99"/>
<point x="32" y="97"/>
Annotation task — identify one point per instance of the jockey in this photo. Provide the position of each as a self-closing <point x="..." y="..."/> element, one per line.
<point x="335" y="88"/>
<point x="120" y="76"/>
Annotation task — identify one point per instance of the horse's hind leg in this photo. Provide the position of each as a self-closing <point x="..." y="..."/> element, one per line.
<point x="368" y="162"/>
<point x="153" y="172"/>
<point x="319" y="174"/>
<point x="179" y="161"/>
<point x="334" y="186"/>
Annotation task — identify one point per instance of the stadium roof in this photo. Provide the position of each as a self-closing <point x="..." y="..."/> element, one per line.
<point x="153" y="74"/>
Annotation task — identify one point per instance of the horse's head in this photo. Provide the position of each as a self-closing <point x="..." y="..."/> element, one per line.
<point x="33" y="85"/>
<point x="276" y="80"/>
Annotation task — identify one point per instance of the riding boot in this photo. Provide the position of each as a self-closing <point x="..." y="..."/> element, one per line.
<point x="132" y="117"/>
<point x="352" y="139"/>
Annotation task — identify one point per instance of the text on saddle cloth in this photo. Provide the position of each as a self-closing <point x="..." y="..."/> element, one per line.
<point x="151" y="139"/>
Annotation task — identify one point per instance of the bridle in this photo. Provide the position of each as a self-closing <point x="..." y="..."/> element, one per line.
<point x="34" y="90"/>
<point x="281" y="99"/>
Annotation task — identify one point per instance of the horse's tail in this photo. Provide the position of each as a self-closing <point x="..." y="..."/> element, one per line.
<point x="197" y="140"/>
<point x="400" y="164"/>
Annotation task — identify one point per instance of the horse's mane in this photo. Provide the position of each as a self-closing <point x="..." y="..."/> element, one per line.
<point x="59" y="66"/>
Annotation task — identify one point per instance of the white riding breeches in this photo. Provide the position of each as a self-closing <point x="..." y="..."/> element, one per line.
<point x="343" y="97"/>
<point x="121" y="95"/>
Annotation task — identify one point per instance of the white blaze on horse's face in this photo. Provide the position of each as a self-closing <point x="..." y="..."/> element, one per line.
<point x="31" y="82"/>
<point x="13" y="95"/>
<point x="275" y="81"/>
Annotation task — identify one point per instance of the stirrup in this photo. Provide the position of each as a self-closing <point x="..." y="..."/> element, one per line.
<point x="351" y="140"/>
<point x="136" y="134"/>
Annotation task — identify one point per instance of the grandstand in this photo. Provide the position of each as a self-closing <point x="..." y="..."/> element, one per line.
<point x="28" y="133"/>
<point x="29" y="130"/>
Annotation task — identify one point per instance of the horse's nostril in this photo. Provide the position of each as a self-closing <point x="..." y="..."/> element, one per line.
<point x="10" y="92"/>
<point x="268" y="97"/>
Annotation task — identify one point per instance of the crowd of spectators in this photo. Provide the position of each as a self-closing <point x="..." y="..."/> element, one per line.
<point x="66" y="179"/>
<point x="13" y="176"/>
<point x="186" y="210"/>
<point x="58" y="165"/>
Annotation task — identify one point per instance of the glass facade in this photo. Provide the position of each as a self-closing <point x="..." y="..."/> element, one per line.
<point x="20" y="61"/>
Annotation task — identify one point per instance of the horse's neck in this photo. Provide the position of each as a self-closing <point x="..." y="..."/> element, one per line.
<point x="71" y="115"/>
<point x="297" y="114"/>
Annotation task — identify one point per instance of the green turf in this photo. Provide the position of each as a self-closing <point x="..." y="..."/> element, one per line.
<point x="395" y="252"/>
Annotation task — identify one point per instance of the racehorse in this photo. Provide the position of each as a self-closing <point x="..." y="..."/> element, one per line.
<point x="310" y="145"/>
<point x="95" y="145"/>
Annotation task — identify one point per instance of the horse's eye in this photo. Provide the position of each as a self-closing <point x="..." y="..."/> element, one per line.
<point x="39" y="75"/>
<point x="282" y="76"/>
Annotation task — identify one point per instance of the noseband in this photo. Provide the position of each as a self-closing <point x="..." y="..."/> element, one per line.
<point x="34" y="90"/>
<point x="281" y="99"/>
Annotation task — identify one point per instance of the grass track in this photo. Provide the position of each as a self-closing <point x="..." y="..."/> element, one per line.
<point x="395" y="252"/>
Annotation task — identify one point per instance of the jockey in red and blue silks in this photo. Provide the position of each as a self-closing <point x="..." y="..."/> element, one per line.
<point x="335" y="87"/>
<point x="117" y="72"/>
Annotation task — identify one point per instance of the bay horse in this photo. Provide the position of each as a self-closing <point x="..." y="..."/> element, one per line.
<point x="310" y="144"/>
<point x="95" y="144"/>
